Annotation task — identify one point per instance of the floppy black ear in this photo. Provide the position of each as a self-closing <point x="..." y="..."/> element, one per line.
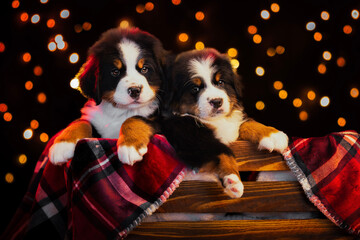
<point x="238" y="86"/>
<point x="88" y="76"/>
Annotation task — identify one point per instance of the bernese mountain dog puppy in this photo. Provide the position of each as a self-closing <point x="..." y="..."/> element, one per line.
<point x="122" y="77"/>
<point x="204" y="116"/>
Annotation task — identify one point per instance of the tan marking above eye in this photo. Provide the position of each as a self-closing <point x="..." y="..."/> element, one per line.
<point x="141" y="63"/>
<point x="217" y="76"/>
<point x="117" y="63"/>
<point x="196" y="81"/>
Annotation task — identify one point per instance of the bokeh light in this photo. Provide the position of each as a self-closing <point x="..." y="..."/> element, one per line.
<point x="26" y="57"/>
<point x="275" y="7"/>
<point x="257" y="38"/>
<point x="322" y="68"/>
<point x="325" y="15"/>
<point x="271" y="52"/>
<point x="303" y="116"/>
<point x="265" y="14"/>
<point x="317" y="36"/>
<point x="2" y="47"/>
<point x="347" y="29"/>
<point x="34" y="124"/>
<point x="232" y="52"/>
<point x="140" y="8"/>
<point x="28" y="133"/>
<point x="280" y="50"/>
<point x="355" y="14"/>
<point x="22" y="159"/>
<point x="341" y="122"/>
<point x="354" y="92"/>
<point x="38" y="71"/>
<point x="327" y="55"/>
<point x="52" y="46"/>
<point x="44" y="137"/>
<point x="283" y="94"/>
<point x="176" y="2"/>
<point x="297" y="102"/>
<point x="183" y="37"/>
<point x="124" y="24"/>
<point x="35" y="18"/>
<point x="9" y="178"/>
<point x="310" y="26"/>
<point x="325" y="101"/>
<point x="252" y="29"/>
<point x="41" y="97"/>
<point x="75" y="83"/>
<point x="278" y="85"/>
<point x="199" y="45"/>
<point x="74" y="58"/>
<point x="149" y="6"/>
<point x="260" y="71"/>
<point x="260" y="105"/>
<point x="78" y="28"/>
<point x="235" y="63"/>
<point x="29" y="85"/>
<point x="87" y="26"/>
<point x="311" y="95"/>
<point x="199" y="16"/>
<point x="341" y="62"/>
<point x="50" y="23"/>
<point x="3" y="107"/>
<point x="15" y="4"/>
<point x="24" y="17"/>
<point x="64" y="13"/>
<point x="7" y="117"/>
<point x="44" y="1"/>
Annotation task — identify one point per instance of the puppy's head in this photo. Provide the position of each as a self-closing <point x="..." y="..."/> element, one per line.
<point x="124" y="67"/>
<point x="204" y="84"/>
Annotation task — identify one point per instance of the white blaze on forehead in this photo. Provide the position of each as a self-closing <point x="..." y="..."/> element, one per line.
<point x="203" y="68"/>
<point x="130" y="52"/>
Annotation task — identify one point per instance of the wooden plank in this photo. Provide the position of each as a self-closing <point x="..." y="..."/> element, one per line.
<point x="208" y="197"/>
<point x="249" y="158"/>
<point x="241" y="229"/>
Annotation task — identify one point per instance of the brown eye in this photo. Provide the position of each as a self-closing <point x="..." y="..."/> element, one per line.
<point x="195" y="90"/>
<point x="115" y="72"/>
<point x="144" y="69"/>
<point x="220" y="83"/>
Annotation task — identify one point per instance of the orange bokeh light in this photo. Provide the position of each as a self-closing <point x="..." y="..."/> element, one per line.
<point x="50" y="23"/>
<point x="317" y="36"/>
<point x="347" y="29"/>
<point x="38" y="71"/>
<point x="176" y="2"/>
<point x="3" y="107"/>
<point x="149" y="6"/>
<point x="199" y="16"/>
<point x="7" y="117"/>
<point x="41" y="98"/>
<point x="322" y="68"/>
<point x="26" y="57"/>
<point x="29" y="85"/>
<point x="341" y="62"/>
<point x="24" y="17"/>
<point x="252" y="29"/>
<point x="2" y="47"/>
<point x="15" y="4"/>
<point x="183" y="37"/>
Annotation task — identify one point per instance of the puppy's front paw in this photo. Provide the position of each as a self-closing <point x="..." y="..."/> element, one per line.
<point x="277" y="141"/>
<point x="130" y="155"/>
<point x="233" y="186"/>
<point x="61" y="152"/>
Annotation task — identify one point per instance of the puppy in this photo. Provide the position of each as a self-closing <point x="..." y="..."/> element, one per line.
<point x="207" y="115"/>
<point x="122" y="77"/>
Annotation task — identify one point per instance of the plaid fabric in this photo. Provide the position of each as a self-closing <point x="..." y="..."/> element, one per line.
<point x="94" y="196"/>
<point x="328" y="169"/>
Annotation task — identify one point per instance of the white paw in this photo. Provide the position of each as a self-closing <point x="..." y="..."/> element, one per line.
<point x="61" y="152"/>
<point x="276" y="141"/>
<point x="233" y="186"/>
<point x="129" y="155"/>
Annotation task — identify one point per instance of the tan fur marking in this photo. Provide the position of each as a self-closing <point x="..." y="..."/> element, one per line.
<point x="76" y="130"/>
<point x="217" y="76"/>
<point x="227" y="165"/>
<point x="141" y="63"/>
<point x="196" y="81"/>
<point x="117" y="63"/>
<point x="135" y="132"/>
<point x="253" y="131"/>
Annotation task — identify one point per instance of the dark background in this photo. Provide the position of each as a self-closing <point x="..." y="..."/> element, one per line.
<point x="225" y="25"/>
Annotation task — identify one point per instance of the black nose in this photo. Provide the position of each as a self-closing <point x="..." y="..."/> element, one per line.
<point x="134" y="92"/>
<point x="216" y="102"/>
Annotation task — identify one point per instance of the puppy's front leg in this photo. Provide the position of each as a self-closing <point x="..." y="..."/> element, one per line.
<point x="64" y="145"/>
<point x="135" y="134"/>
<point x="266" y="137"/>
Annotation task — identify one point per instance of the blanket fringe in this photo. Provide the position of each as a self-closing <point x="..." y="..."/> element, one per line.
<point x="153" y="207"/>
<point x="303" y="180"/>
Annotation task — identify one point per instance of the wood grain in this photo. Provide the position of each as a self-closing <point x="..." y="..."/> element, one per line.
<point x="241" y="229"/>
<point x="208" y="197"/>
<point x="249" y="158"/>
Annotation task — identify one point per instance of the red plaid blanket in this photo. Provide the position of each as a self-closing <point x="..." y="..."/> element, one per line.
<point x="94" y="196"/>
<point x="328" y="169"/>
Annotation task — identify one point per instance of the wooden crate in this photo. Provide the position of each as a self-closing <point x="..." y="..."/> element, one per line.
<point x="275" y="199"/>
